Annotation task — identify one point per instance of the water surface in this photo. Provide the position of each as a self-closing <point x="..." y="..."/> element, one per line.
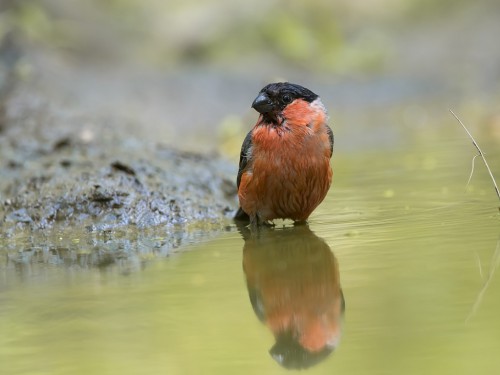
<point x="411" y="248"/>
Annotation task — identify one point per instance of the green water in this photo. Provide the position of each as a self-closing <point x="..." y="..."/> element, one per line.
<point x="414" y="250"/>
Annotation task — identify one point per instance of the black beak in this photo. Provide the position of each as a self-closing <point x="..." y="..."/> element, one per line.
<point x="262" y="103"/>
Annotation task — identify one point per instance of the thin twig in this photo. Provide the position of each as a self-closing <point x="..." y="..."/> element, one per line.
<point x="471" y="171"/>
<point x="480" y="153"/>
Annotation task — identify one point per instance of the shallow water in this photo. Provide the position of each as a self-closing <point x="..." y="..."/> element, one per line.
<point x="413" y="253"/>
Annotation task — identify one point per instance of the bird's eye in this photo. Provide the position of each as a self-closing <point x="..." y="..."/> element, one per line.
<point x="287" y="99"/>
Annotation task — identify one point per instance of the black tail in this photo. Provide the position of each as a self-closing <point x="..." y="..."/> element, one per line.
<point x="241" y="215"/>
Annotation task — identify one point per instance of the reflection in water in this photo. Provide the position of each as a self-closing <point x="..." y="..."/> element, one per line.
<point x="294" y="286"/>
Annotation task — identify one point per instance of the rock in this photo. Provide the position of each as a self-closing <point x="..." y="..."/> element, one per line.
<point x="51" y="176"/>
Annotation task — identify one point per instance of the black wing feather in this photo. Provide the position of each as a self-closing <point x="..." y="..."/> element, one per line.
<point x="330" y="136"/>
<point x="247" y="143"/>
<point x="244" y="158"/>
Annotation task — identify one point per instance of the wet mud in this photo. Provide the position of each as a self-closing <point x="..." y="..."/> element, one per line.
<point x="66" y="168"/>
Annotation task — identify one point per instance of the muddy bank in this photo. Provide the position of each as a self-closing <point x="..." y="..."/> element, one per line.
<point x="64" y="166"/>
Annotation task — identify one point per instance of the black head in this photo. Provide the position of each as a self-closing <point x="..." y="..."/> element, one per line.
<point x="291" y="355"/>
<point x="276" y="96"/>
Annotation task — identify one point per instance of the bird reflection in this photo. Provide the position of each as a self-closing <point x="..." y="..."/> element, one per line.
<point x="294" y="286"/>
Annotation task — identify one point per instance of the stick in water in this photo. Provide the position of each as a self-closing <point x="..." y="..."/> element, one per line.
<point x="480" y="154"/>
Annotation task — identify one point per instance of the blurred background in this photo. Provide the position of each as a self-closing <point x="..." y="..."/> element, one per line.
<point x="416" y="249"/>
<point x="186" y="72"/>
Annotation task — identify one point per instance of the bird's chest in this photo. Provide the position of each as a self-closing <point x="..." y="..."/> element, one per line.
<point x="288" y="175"/>
<point x="282" y="157"/>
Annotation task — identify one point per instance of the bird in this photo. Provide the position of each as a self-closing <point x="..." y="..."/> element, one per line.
<point x="284" y="168"/>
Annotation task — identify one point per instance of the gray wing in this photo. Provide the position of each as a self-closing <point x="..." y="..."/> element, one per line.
<point x="244" y="157"/>
<point x="331" y="138"/>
